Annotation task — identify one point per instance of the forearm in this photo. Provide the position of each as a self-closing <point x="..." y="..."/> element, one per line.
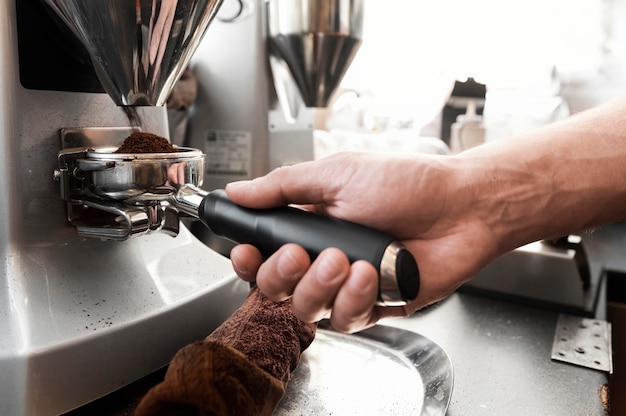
<point x="563" y="178"/>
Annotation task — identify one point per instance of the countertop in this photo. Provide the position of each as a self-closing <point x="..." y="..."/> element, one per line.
<point x="500" y="351"/>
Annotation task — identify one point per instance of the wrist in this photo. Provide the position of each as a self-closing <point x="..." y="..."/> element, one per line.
<point x="561" y="179"/>
<point x="508" y="194"/>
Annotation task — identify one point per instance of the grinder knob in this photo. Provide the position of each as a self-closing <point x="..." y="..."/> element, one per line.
<point x="269" y="229"/>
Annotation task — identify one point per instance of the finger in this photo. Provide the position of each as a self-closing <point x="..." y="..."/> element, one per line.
<point x="278" y="275"/>
<point x="302" y="183"/>
<point x="246" y="260"/>
<point x="354" y="306"/>
<point x="180" y="176"/>
<point x="313" y="297"/>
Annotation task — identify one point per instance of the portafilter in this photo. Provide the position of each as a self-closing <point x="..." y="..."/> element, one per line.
<point x="165" y="186"/>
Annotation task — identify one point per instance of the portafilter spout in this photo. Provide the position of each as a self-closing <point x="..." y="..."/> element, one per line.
<point x="139" y="48"/>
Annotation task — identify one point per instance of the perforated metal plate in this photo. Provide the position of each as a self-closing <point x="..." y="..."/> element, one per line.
<point x="584" y="342"/>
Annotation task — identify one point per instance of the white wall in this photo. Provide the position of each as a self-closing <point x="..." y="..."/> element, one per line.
<point x="414" y="50"/>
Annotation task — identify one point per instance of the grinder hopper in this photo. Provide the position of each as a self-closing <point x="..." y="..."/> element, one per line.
<point x="139" y="48"/>
<point x="311" y="45"/>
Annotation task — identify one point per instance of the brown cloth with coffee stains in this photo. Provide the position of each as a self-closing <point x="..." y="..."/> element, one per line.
<point x="242" y="368"/>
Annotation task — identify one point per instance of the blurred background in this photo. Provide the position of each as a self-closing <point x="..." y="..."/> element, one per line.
<point x="539" y="59"/>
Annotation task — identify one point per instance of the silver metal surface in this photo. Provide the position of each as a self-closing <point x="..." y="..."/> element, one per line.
<point x="312" y="43"/>
<point x="140" y="175"/>
<point x="126" y="221"/>
<point x="88" y="159"/>
<point x="81" y="317"/>
<point x="501" y="355"/>
<point x="583" y="341"/>
<point x="502" y="350"/>
<point x="188" y="198"/>
<point x="246" y="135"/>
<point x="379" y="371"/>
<point x="389" y="292"/>
<point x="139" y="192"/>
<point x="138" y="48"/>
<point x="541" y="274"/>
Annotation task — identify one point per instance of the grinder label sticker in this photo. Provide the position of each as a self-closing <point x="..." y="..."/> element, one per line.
<point x="228" y="153"/>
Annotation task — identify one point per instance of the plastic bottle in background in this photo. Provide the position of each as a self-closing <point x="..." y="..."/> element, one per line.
<point x="468" y="131"/>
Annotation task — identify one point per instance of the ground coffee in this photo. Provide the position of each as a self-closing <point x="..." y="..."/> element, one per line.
<point x="140" y="142"/>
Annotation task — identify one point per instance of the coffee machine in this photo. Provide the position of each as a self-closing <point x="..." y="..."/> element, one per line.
<point x="84" y="311"/>
<point x="102" y="284"/>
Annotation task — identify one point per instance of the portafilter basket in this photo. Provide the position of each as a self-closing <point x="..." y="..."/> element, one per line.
<point x="149" y="191"/>
<point x="140" y="178"/>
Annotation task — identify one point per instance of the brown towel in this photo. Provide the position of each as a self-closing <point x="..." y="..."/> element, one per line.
<point x="242" y="368"/>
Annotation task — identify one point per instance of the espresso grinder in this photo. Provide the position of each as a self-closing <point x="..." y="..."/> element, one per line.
<point x="101" y="284"/>
<point x="82" y="316"/>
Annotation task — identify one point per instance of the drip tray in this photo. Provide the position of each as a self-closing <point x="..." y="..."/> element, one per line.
<point x="382" y="370"/>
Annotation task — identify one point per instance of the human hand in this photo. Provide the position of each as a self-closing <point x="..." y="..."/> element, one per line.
<point x="419" y="199"/>
<point x="176" y="174"/>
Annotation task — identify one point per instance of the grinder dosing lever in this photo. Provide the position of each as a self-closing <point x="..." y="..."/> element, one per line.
<point x="269" y="229"/>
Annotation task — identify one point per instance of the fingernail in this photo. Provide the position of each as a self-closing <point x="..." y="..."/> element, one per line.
<point x="242" y="272"/>
<point x="237" y="184"/>
<point x="329" y="269"/>
<point x="287" y="265"/>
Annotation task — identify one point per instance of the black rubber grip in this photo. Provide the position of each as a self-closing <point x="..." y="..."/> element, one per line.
<point x="269" y="229"/>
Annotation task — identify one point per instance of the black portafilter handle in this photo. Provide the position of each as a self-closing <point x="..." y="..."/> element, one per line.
<point x="269" y="229"/>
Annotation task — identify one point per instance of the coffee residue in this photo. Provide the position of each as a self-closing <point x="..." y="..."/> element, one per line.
<point x="140" y="142"/>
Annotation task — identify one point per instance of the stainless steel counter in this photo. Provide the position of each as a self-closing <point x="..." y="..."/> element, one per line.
<point x="501" y="350"/>
<point x="501" y="357"/>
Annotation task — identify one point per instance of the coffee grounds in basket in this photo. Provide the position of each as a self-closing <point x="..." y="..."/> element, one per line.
<point x="140" y="142"/>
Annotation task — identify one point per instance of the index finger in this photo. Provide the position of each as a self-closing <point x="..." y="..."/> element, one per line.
<point x="303" y="183"/>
